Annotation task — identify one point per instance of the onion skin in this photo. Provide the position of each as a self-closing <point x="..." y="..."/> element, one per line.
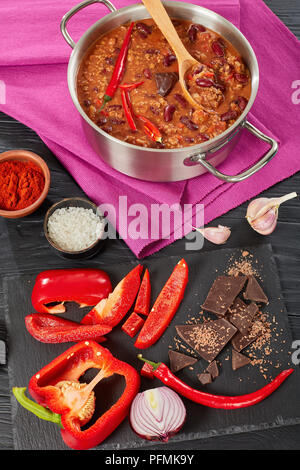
<point x="157" y="414"/>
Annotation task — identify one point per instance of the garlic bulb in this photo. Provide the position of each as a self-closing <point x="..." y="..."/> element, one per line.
<point x="262" y="213"/>
<point x="217" y="235"/>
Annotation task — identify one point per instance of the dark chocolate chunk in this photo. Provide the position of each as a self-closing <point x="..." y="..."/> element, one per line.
<point x="204" y="378"/>
<point x="213" y="370"/>
<point x="240" y="341"/>
<point x="254" y="291"/>
<point x="208" y="338"/>
<point x="239" y="360"/>
<point x="242" y="315"/>
<point x="2" y="352"/>
<point x="179" y="361"/>
<point x="222" y="293"/>
<point x="165" y="82"/>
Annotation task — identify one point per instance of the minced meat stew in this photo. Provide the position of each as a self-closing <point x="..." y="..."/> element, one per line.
<point x="147" y="107"/>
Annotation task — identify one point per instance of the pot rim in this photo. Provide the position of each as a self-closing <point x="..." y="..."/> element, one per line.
<point x="205" y="146"/>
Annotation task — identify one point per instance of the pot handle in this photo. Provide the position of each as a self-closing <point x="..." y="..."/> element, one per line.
<point x="200" y="158"/>
<point x="76" y="9"/>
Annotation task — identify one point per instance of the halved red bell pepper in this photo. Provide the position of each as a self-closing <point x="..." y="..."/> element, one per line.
<point x="142" y="303"/>
<point x="133" y="324"/>
<point x="112" y="310"/>
<point x="72" y="403"/>
<point x="49" y="328"/>
<point x="83" y="285"/>
<point x="164" y="307"/>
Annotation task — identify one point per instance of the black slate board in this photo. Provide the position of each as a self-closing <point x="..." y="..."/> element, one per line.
<point x="27" y="356"/>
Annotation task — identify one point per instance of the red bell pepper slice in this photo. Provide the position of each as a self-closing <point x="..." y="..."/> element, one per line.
<point x="49" y="328"/>
<point x="142" y="304"/>
<point x="56" y="387"/>
<point x="84" y="286"/>
<point x="112" y="310"/>
<point x="164" y="307"/>
<point x="133" y="324"/>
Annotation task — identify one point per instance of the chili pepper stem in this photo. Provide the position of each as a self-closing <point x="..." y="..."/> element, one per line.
<point x="155" y="365"/>
<point x="30" y="405"/>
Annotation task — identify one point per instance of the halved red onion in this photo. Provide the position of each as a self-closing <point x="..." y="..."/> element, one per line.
<point x="157" y="414"/>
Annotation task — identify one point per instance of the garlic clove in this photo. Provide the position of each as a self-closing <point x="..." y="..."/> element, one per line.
<point x="217" y="235"/>
<point x="262" y="213"/>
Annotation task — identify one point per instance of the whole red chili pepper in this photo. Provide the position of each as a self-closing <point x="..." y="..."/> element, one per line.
<point x="163" y="373"/>
<point x="130" y="86"/>
<point x="150" y="129"/>
<point x="119" y="68"/>
<point x="62" y="399"/>
<point x="128" y="109"/>
<point x="48" y="328"/>
<point x="85" y="286"/>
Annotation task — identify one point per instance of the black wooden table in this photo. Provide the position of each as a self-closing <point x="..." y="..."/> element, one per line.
<point x="23" y="245"/>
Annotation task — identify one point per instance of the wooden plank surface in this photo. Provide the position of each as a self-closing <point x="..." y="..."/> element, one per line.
<point x="22" y="242"/>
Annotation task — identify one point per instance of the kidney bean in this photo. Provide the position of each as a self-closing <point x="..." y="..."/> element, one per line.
<point x="96" y="89"/>
<point x="168" y="112"/>
<point x="203" y="137"/>
<point x="116" y="121"/>
<point x="231" y="114"/>
<point x="242" y="102"/>
<point x="109" y="60"/>
<point x="192" y="32"/>
<point x="169" y="59"/>
<point x="107" y="129"/>
<point x="217" y="48"/>
<point x="143" y="29"/>
<point x="219" y="86"/>
<point x="204" y="82"/>
<point x="152" y="51"/>
<point x="101" y="121"/>
<point x="241" y="77"/>
<point x="181" y="100"/>
<point x="147" y="73"/>
<point x="189" y="123"/>
<point x="200" y="28"/>
<point x="154" y="110"/>
<point x="189" y="140"/>
<point x="87" y="103"/>
<point x="114" y="106"/>
<point x="198" y="69"/>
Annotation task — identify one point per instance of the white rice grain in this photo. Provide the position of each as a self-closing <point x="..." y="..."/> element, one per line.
<point x="74" y="228"/>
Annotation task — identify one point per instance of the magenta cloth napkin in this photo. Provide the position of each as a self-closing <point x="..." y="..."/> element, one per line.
<point x="33" y="66"/>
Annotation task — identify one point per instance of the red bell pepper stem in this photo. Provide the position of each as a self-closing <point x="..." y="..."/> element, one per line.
<point x="150" y="129"/>
<point x="86" y="286"/>
<point x="163" y="373"/>
<point x="119" y="68"/>
<point x="128" y="109"/>
<point x="30" y="405"/>
<point x="130" y="86"/>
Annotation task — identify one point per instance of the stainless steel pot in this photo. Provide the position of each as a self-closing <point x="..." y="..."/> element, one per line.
<point x="166" y="164"/>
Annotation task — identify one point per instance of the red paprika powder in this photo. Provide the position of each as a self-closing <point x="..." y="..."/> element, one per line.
<point x="21" y="184"/>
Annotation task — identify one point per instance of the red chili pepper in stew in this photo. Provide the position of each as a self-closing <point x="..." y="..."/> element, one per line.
<point x="128" y="109"/>
<point x="150" y="129"/>
<point x="119" y="68"/>
<point x="84" y="286"/>
<point x="163" y="373"/>
<point x="64" y="400"/>
<point x="49" y="328"/>
<point x="130" y="86"/>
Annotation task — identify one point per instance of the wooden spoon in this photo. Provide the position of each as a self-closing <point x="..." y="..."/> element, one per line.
<point x="184" y="58"/>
